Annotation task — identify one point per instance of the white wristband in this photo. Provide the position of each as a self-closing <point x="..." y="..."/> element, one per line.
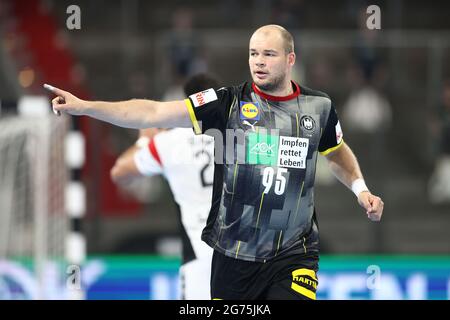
<point x="142" y="142"/>
<point x="359" y="186"/>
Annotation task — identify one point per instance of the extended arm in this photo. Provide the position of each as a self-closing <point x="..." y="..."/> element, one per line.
<point x="345" y="167"/>
<point x="135" y="113"/>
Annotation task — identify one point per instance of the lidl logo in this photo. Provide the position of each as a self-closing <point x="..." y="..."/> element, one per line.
<point x="249" y="110"/>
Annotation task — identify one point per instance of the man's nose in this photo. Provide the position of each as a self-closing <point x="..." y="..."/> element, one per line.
<point x="260" y="62"/>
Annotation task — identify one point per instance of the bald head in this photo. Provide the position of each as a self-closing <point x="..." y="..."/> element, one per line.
<point x="271" y="59"/>
<point x="279" y="31"/>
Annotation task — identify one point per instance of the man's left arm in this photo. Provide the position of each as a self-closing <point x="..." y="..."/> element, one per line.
<point x="345" y="167"/>
<point x="137" y="161"/>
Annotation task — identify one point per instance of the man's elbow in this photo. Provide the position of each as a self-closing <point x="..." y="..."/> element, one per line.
<point x="115" y="174"/>
<point x="171" y="114"/>
<point x="119" y="174"/>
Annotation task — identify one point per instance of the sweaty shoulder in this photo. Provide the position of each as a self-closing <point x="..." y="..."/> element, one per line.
<point x="311" y="92"/>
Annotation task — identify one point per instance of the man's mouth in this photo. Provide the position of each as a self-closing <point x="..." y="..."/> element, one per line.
<point x="261" y="74"/>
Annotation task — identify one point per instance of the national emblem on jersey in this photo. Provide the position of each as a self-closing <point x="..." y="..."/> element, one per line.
<point x="203" y="97"/>
<point x="249" y="111"/>
<point x="308" y="123"/>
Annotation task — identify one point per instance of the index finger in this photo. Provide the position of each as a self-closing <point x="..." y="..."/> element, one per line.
<point x="54" y="90"/>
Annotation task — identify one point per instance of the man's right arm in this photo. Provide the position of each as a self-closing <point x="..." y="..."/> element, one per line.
<point x="125" y="169"/>
<point x="136" y="113"/>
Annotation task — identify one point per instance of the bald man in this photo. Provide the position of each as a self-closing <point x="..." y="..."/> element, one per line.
<point x="268" y="133"/>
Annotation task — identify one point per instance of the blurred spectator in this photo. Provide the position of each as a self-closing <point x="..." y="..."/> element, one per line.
<point x="231" y="12"/>
<point x="439" y="184"/>
<point x="443" y="120"/>
<point x="139" y="84"/>
<point x="184" y="44"/>
<point x="289" y="13"/>
<point x="366" y="50"/>
<point x="368" y="116"/>
<point x="184" y="53"/>
<point x="367" y="111"/>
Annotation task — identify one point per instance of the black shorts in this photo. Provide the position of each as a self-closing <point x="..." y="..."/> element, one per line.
<point x="286" y="277"/>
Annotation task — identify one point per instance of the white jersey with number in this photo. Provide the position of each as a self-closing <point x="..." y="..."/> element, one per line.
<point x="186" y="160"/>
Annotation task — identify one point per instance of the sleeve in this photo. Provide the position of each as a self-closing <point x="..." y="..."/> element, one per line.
<point x="332" y="137"/>
<point x="209" y="109"/>
<point x="147" y="160"/>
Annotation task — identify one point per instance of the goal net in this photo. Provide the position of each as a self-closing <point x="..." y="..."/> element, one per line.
<point x="33" y="223"/>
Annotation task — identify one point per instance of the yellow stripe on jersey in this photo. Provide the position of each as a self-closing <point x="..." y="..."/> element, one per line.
<point x="328" y="151"/>
<point x="232" y="199"/>
<point x="298" y="201"/>
<point x="303" y="291"/>
<point x="231" y="107"/>
<point x="237" y="250"/>
<point x="279" y="239"/>
<point x="268" y="104"/>
<point x="304" y="247"/>
<point x="192" y="116"/>
<point x="259" y="211"/>
<point x="234" y="180"/>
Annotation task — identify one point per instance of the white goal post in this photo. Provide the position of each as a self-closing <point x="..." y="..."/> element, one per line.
<point x="33" y="178"/>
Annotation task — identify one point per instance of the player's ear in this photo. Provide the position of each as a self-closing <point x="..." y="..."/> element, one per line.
<point x="291" y="58"/>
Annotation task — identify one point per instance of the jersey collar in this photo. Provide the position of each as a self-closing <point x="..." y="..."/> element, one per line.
<point x="277" y="98"/>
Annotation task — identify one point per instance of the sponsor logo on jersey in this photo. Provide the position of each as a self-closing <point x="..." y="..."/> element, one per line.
<point x="249" y="110"/>
<point x="304" y="281"/>
<point x="262" y="149"/>
<point x="292" y="152"/>
<point x="308" y="123"/>
<point x="274" y="150"/>
<point x="203" y="97"/>
<point x="339" y="133"/>
<point x="251" y="125"/>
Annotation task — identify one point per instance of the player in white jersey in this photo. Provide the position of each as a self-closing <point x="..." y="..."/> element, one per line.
<point x="186" y="160"/>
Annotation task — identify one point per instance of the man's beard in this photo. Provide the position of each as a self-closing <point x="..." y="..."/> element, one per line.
<point x="274" y="85"/>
